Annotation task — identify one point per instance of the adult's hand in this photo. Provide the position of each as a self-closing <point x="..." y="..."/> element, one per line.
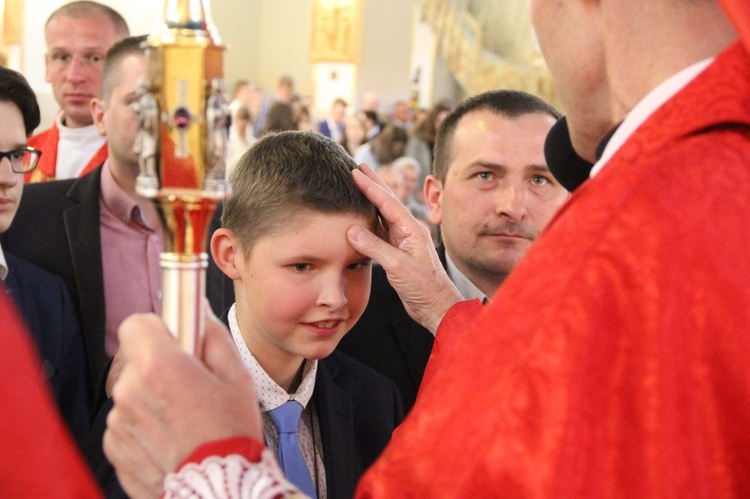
<point x="408" y="256"/>
<point x="167" y="402"/>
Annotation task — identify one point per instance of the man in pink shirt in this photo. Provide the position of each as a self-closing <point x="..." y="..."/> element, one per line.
<point x="95" y="232"/>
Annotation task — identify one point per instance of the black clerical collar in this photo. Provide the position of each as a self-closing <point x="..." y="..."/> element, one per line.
<point x="566" y="165"/>
<point x="603" y="144"/>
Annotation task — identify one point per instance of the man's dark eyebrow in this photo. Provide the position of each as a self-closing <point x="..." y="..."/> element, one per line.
<point x="487" y="164"/>
<point x="539" y="168"/>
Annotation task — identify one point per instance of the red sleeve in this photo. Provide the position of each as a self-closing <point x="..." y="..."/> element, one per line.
<point x="246" y="447"/>
<point x="38" y="457"/>
<point x="449" y="331"/>
<point x="457" y="317"/>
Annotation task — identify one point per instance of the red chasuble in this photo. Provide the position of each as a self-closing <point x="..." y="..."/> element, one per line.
<point x="615" y="360"/>
<point x="37" y="456"/>
<point x="47" y="142"/>
<point x="738" y="12"/>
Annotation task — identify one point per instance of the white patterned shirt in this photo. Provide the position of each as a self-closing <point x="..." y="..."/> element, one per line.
<point x="271" y="396"/>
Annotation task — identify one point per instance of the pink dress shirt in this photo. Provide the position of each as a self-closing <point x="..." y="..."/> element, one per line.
<point x="131" y="243"/>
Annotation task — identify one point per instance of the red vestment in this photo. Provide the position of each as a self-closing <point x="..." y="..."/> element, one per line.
<point x="615" y="359"/>
<point x="38" y="457"/>
<point x="738" y="11"/>
<point x="47" y="142"/>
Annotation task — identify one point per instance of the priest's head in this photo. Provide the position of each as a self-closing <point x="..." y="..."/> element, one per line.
<point x="606" y="56"/>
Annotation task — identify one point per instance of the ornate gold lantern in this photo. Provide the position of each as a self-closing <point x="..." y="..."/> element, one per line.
<point x="183" y="117"/>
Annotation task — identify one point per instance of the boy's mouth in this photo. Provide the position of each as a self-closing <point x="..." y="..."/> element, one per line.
<point x="326" y="328"/>
<point x="326" y="324"/>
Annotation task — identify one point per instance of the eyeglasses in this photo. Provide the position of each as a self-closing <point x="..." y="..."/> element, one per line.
<point x="22" y="160"/>
<point x="60" y="61"/>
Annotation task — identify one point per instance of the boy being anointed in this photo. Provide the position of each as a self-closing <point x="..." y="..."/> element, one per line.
<point x="299" y="288"/>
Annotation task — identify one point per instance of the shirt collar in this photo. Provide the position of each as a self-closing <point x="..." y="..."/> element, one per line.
<point x="467" y="288"/>
<point x="270" y="394"/>
<point x="3" y="265"/>
<point x="648" y="106"/>
<point x="81" y="133"/>
<point x="124" y="206"/>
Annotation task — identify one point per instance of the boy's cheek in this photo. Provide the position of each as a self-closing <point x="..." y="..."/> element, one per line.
<point x="359" y="301"/>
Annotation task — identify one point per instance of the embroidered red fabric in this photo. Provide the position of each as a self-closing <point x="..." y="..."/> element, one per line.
<point x="613" y="360"/>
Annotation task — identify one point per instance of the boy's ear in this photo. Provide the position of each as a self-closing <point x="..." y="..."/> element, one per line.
<point x="224" y="249"/>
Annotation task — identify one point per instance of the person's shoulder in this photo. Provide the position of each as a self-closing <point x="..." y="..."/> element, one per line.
<point x="44" y="199"/>
<point x="35" y="279"/>
<point x="352" y="371"/>
<point x="363" y="151"/>
<point x="61" y="187"/>
<point x="371" y="393"/>
<point x="47" y="188"/>
<point x="40" y="137"/>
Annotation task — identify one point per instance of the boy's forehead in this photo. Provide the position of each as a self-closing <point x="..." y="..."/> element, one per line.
<point x="305" y="217"/>
<point x="302" y="221"/>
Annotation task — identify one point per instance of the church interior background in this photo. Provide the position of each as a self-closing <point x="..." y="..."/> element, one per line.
<point x="417" y="50"/>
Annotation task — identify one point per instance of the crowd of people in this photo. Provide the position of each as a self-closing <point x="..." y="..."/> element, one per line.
<point x="480" y="299"/>
<point x="396" y="143"/>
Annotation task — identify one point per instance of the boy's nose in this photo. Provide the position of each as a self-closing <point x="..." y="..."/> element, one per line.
<point x="333" y="292"/>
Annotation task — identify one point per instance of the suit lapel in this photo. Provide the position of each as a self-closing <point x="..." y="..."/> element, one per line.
<point x="84" y="242"/>
<point x="336" y="419"/>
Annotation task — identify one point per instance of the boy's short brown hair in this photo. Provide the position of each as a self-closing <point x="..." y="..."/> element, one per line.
<point x="285" y="173"/>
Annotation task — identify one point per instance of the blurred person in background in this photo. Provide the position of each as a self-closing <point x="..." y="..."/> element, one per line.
<point x="384" y="149"/>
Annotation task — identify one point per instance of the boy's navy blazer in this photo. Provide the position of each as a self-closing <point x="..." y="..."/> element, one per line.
<point x="57" y="229"/>
<point x="357" y="408"/>
<point x="47" y="309"/>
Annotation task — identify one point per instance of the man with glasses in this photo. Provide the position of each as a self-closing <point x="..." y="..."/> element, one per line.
<point x="41" y="298"/>
<point x="78" y="35"/>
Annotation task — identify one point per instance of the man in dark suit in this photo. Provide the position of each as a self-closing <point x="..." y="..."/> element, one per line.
<point x="491" y="194"/>
<point x="333" y="126"/>
<point x="42" y="299"/>
<point x="95" y="232"/>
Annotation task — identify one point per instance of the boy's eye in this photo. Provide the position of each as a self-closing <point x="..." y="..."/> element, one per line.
<point x="359" y="265"/>
<point x="484" y="175"/>
<point x="301" y="267"/>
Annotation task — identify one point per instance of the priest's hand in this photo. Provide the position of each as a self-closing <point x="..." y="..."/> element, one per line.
<point x="407" y="254"/>
<point x="167" y="402"/>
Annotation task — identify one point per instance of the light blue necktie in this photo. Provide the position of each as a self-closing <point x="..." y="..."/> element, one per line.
<point x="286" y="417"/>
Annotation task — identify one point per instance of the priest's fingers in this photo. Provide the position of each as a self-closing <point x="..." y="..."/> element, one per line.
<point x="419" y="278"/>
<point x="408" y="257"/>
<point x="399" y="223"/>
<point x="139" y="476"/>
<point x="170" y="402"/>
<point x="221" y="357"/>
